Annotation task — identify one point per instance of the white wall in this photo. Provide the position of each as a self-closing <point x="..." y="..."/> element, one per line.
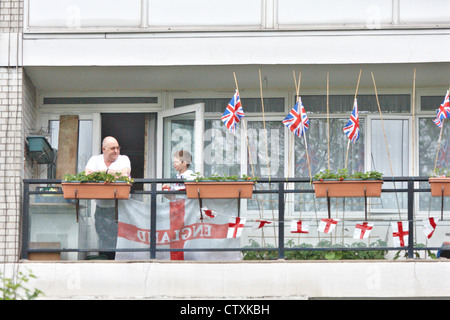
<point x="293" y="48"/>
<point x="207" y="15"/>
<point x="260" y="279"/>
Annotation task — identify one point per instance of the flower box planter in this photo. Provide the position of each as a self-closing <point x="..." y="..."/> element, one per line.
<point x="96" y="190"/>
<point x="440" y="186"/>
<point x="347" y="188"/>
<point x="219" y="189"/>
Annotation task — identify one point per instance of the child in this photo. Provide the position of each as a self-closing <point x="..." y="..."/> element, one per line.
<point x="181" y="162"/>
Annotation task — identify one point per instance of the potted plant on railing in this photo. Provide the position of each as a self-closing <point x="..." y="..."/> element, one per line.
<point x="220" y="187"/>
<point x="440" y="182"/>
<point x="343" y="184"/>
<point x="97" y="185"/>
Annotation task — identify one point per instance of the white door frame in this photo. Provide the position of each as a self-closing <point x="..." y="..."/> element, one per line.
<point x="199" y="110"/>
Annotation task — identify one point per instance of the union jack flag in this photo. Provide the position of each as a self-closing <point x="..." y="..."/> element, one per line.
<point x="351" y="129"/>
<point x="297" y="121"/>
<point x="443" y="112"/>
<point x="233" y="113"/>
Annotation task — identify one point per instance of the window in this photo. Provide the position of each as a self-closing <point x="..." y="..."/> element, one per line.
<point x="250" y="105"/>
<point x="430" y="157"/>
<point x="389" y="103"/>
<point x="224" y="152"/>
<point x="317" y="144"/>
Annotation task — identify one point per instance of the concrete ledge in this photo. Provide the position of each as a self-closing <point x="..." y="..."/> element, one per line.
<point x="254" y="48"/>
<point x="238" y="280"/>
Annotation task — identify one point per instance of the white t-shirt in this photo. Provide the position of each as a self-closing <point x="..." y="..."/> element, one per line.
<point x="97" y="163"/>
<point x="187" y="175"/>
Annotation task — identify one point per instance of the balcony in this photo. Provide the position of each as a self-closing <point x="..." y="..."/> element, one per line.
<point x="51" y="230"/>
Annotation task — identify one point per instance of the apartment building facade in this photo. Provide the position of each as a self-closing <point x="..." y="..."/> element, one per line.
<point x="131" y="68"/>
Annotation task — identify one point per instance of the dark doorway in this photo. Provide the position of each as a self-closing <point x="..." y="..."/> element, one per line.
<point x="129" y="130"/>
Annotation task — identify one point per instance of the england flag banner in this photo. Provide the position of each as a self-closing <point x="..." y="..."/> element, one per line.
<point x="429" y="225"/>
<point x="177" y="226"/>
<point x="400" y="233"/>
<point x="327" y="225"/>
<point x="362" y="230"/>
<point x="299" y="227"/>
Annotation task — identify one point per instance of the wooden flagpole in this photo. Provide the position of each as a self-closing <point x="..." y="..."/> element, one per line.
<point x="439" y="146"/>
<point x="413" y="117"/>
<point x="328" y="119"/>
<point x="356" y="93"/>
<point x="267" y="148"/>
<point x="439" y="143"/>
<point x="303" y="127"/>
<point x="250" y="159"/>
<point x="245" y="131"/>
<point x="413" y="129"/>
<point x="385" y="139"/>
<point x="264" y="124"/>
<point x="382" y="125"/>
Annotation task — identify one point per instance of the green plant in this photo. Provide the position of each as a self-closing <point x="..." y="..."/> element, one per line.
<point x="16" y="290"/>
<point x="217" y="177"/>
<point x="440" y="172"/>
<point x="318" y="254"/>
<point x="260" y="254"/>
<point x="343" y="174"/>
<point x="416" y="252"/>
<point x="97" y="177"/>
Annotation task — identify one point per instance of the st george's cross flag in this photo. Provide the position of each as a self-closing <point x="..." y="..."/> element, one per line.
<point x="298" y="226"/>
<point x="207" y="213"/>
<point x="400" y="233"/>
<point x="327" y="225"/>
<point x="177" y="226"/>
<point x="429" y="225"/>
<point x="297" y="120"/>
<point x="362" y="230"/>
<point x="259" y="223"/>
<point x="443" y="112"/>
<point x="235" y="227"/>
<point x="233" y="113"/>
<point x="351" y="129"/>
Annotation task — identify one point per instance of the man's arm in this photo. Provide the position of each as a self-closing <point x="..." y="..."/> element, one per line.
<point x="123" y="172"/>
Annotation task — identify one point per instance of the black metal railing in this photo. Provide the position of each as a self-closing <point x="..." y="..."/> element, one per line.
<point x="278" y="189"/>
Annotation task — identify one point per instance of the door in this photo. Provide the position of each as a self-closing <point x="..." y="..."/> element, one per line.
<point x="129" y="130"/>
<point x="180" y="128"/>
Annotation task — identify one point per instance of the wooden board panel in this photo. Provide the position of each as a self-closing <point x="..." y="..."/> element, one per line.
<point x="67" y="145"/>
<point x="44" y="255"/>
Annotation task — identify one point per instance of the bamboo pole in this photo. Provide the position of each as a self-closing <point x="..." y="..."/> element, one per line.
<point x="264" y="124"/>
<point x="385" y="139"/>
<point x="413" y="118"/>
<point x="328" y="119"/>
<point x="439" y="146"/>
<point x="439" y="143"/>
<point x="356" y="93"/>
<point x="303" y="128"/>
<point x="413" y="135"/>
<point x="267" y="148"/>
<point x="245" y="132"/>
<point x="382" y="125"/>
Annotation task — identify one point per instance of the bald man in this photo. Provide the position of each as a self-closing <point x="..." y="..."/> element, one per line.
<point x="110" y="161"/>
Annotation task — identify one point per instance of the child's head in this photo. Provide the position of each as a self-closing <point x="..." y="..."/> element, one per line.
<point x="182" y="160"/>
